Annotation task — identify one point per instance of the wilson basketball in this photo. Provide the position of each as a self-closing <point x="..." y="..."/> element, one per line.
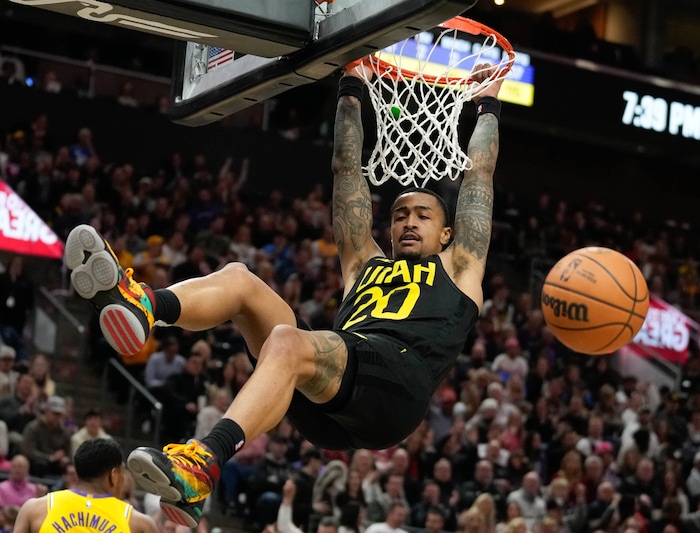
<point x="595" y="300"/>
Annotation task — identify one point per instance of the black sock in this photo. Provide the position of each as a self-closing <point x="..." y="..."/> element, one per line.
<point x="167" y="306"/>
<point x="225" y="439"/>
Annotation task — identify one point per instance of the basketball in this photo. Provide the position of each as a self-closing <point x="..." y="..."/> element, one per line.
<point x="594" y="300"/>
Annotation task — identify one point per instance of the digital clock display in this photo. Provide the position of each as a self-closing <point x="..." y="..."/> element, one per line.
<point x="613" y="108"/>
<point x="661" y="115"/>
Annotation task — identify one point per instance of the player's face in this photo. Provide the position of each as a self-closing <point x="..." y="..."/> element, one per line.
<point x="417" y="226"/>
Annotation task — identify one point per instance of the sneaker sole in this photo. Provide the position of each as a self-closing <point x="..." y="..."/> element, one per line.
<point x="93" y="271"/>
<point x="175" y="514"/>
<point x="92" y="266"/>
<point x="121" y="329"/>
<point x="151" y="478"/>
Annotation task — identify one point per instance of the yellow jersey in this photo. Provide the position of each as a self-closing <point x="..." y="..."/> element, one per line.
<point x="72" y="511"/>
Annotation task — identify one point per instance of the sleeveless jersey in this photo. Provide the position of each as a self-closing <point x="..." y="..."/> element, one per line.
<point x="71" y="511"/>
<point x="414" y="302"/>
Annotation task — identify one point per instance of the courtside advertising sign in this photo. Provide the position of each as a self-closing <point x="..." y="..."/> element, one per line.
<point x="21" y="229"/>
<point x="665" y="333"/>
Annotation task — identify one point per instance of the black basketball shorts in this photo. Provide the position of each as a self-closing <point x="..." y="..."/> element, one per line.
<point x="383" y="397"/>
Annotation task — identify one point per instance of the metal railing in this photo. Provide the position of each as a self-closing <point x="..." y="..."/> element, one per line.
<point x="58" y="332"/>
<point x="55" y="328"/>
<point x="135" y="387"/>
<point x="87" y="78"/>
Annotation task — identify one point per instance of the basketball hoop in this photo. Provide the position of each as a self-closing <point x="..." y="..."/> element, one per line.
<point x="418" y="91"/>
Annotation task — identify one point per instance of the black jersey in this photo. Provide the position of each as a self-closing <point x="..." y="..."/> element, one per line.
<point x="416" y="303"/>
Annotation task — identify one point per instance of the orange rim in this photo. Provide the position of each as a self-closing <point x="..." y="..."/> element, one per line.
<point x="463" y="24"/>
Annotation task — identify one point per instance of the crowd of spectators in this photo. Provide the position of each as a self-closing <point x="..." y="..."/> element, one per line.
<point x="38" y="433"/>
<point x="524" y="435"/>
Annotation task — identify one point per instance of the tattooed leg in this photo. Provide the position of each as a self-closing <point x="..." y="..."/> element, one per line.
<point x="331" y="357"/>
<point x="311" y="361"/>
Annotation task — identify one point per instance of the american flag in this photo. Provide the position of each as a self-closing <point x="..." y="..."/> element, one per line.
<point x="218" y="56"/>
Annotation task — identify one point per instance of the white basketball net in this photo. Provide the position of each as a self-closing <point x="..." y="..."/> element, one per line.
<point x="417" y="119"/>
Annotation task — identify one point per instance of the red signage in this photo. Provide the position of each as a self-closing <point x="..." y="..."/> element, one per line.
<point x="21" y="229"/>
<point x="665" y="332"/>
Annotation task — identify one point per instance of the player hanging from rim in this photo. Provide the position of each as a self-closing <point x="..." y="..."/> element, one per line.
<point x="94" y="505"/>
<point x="367" y="382"/>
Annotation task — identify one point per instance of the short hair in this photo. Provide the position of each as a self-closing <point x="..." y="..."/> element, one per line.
<point x="435" y="509"/>
<point x="390" y="475"/>
<point x="193" y="355"/>
<point x="445" y="211"/>
<point x="90" y="413"/>
<point x="169" y="341"/>
<point x="393" y="505"/>
<point x="200" y="347"/>
<point x="311" y="453"/>
<point x="593" y="459"/>
<point x="96" y="457"/>
<point x="431" y="481"/>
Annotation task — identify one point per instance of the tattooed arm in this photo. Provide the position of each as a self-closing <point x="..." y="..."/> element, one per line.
<point x="352" y="205"/>
<point x="474" y="210"/>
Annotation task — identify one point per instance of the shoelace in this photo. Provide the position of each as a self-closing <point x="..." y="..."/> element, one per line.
<point x="133" y="285"/>
<point x="129" y="273"/>
<point x="190" y="454"/>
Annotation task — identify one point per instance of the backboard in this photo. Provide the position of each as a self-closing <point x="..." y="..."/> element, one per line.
<point x="211" y="82"/>
<point x="258" y="27"/>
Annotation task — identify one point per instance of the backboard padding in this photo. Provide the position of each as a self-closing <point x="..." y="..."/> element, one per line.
<point x="354" y="32"/>
<point x="266" y="29"/>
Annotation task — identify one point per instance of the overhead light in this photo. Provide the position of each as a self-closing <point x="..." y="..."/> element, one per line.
<point x="499" y="2"/>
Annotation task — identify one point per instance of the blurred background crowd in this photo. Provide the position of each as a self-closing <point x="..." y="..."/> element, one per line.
<point x="523" y="436"/>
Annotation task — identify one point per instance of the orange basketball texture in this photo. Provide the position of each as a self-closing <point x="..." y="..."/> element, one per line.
<point x="595" y="300"/>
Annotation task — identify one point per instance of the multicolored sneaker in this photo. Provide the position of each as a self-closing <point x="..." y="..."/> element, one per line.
<point x="125" y="306"/>
<point x="183" y="475"/>
<point x="184" y="514"/>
